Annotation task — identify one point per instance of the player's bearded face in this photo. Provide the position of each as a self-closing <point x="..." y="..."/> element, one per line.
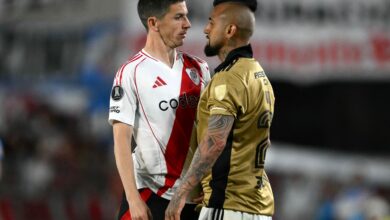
<point x="214" y="43"/>
<point x="212" y="50"/>
<point x="214" y="31"/>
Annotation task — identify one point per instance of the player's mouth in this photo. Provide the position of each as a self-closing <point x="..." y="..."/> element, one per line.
<point x="183" y="34"/>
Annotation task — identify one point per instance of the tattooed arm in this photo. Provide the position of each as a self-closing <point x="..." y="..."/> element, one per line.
<point x="208" y="151"/>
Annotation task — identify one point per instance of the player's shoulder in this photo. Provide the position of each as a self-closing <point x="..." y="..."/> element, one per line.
<point x="244" y="65"/>
<point x="128" y="67"/>
<point x="133" y="61"/>
<point x="196" y="61"/>
<point x="193" y="57"/>
<point x="234" y="72"/>
<point x="247" y="63"/>
<point x="136" y="59"/>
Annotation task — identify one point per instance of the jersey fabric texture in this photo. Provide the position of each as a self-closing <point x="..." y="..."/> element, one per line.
<point x="237" y="180"/>
<point x="160" y="103"/>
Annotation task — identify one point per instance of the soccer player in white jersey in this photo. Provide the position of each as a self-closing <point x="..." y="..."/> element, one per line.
<point x="153" y="105"/>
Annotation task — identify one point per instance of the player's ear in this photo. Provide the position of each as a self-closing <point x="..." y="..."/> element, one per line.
<point x="231" y="29"/>
<point x="152" y="23"/>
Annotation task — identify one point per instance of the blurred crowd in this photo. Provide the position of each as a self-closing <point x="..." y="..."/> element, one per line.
<point x="52" y="154"/>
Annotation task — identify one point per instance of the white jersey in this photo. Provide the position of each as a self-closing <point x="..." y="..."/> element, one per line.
<point x="160" y="103"/>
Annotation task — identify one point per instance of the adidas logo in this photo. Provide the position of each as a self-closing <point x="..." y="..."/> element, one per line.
<point x="159" y="82"/>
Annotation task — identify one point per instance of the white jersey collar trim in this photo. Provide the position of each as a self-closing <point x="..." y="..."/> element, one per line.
<point x="177" y="57"/>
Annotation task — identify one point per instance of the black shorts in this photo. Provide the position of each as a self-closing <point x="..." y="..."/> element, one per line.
<point x="157" y="206"/>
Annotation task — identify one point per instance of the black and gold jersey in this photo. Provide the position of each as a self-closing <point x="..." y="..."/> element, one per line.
<point x="237" y="180"/>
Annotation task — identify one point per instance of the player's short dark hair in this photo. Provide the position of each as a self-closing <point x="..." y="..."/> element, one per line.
<point x="150" y="8"/>
<point x="252" y="4"/>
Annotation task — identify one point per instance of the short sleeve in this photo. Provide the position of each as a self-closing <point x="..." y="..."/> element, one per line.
<point x="123" y="98"/>
<point x="227" y="95"/>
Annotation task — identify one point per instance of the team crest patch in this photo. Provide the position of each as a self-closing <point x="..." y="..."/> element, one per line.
<point x="117" y="93"/>
<point x="193" y="74"/>
<point x="220" y="92"/>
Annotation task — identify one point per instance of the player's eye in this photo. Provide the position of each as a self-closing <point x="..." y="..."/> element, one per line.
<point x="178" y="17"/>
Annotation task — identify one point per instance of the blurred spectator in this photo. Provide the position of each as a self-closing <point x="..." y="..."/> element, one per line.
<point x="376" y="207"/>
<point x="350" y="200"/>
<point x="36" y="175"/>
<point x="298" y="197"/>
<point x="326" y="207"/>
<point x="360" y="201"/>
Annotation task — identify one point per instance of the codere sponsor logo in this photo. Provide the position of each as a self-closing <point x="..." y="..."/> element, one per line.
<point x="184" y="101"/>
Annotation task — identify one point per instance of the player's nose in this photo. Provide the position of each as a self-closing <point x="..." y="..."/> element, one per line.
<point x="187" y="23"/>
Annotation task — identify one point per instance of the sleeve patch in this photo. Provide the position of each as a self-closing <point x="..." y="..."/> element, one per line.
<point x="117" y="93"/>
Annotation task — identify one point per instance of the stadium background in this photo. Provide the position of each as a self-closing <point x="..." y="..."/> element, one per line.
<point x="329" y="63"/>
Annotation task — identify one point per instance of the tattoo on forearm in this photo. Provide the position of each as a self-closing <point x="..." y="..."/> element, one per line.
<point x="208" y="151"/>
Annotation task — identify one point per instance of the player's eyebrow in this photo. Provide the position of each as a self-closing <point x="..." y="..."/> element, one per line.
<point x="180" y="15"/>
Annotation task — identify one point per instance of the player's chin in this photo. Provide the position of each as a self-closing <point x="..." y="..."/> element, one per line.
<point x="179" y="42"/>
<point x="181" y="37"/>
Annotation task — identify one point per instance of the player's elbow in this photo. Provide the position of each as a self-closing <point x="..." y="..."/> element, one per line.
<point x="218" y="146"/>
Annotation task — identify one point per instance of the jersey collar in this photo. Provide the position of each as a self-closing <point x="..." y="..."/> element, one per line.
<point x="245" y="51"/>
<point x="176" y="57"/>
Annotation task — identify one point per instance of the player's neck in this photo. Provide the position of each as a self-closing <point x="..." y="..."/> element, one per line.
<point x="231" y="45"/>
<point x="160" y="51"/>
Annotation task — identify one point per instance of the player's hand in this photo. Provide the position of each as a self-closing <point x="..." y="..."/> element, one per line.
<point x="198" y="199"/>
<point x="139" y="210"/>
<point x="175" y="207"/>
